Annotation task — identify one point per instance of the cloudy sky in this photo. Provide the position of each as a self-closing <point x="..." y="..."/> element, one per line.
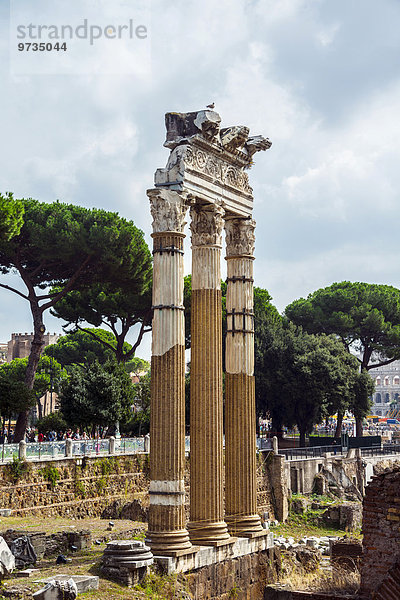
<point x="320" y="78"/>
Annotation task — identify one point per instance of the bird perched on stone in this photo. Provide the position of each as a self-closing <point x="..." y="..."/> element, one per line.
<point x="212" y="105"/>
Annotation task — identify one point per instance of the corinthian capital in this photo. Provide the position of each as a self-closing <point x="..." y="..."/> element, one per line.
<point x="240" y="238"/>
<point x="168" y="210"/>
<point x="206" y="225"/>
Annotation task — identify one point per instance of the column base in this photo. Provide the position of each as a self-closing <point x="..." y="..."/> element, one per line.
<point x="208" y="534"/>
<point x="245" y="526"/>
<point x="167" y="542"/>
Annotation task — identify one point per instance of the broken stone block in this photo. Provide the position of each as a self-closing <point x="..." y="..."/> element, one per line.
<point x="57" y="590"/>
<point x="26" y="572"/>
<point x="7" y="559"/>
<point x="83" y="583"/>
<point x="126" y="561"/>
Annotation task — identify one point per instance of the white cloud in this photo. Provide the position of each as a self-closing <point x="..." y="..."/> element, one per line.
<point x="320" y="82"/>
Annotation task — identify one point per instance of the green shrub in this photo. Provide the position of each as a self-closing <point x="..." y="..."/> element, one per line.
<point x="51" y="474"/>
<point x="17" y="469"/>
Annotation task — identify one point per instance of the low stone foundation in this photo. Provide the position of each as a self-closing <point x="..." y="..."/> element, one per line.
<point x="242" y="578"/>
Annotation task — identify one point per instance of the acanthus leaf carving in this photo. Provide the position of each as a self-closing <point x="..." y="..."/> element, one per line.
<point x="168" y="209"/>
<point x="240" y="237"/>
<point x="207" y="225"/>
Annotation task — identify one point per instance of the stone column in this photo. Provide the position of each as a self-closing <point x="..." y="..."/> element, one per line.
<point x="167" y="533"/>
<point x="240" y="410"/>
<point x="207" y="524"/>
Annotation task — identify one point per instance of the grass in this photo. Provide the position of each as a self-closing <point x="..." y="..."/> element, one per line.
<point x="334" y="581"/>
<point x="308" y="523"/>
<point x="156" y="587"/>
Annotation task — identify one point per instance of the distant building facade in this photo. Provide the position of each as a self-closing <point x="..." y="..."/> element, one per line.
<point x="20" y="344"/>
<point x="387" y="388"/>
<point x="3" y="353"/>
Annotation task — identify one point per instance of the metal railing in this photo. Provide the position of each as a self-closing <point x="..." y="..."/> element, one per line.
<point x="36" y="451"/>
<point x="311" y="452"/>
<point x="388" y="449"/>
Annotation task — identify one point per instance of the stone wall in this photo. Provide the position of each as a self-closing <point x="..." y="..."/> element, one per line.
<point x="243" y="578"/>
<point x="89" y="487"/>
<point x="381" y="528"/>
<point x="73" y="487"/>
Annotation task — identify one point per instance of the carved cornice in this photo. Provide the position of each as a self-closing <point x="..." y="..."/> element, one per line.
<point x="206" y="225"/>
<point x="168" y="209"/>
<point x="210" y="165"/>
<point x="240" y="237"/>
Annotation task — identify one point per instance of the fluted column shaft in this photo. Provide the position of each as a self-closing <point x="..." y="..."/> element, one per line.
<point x="167" y="533"/>
<point x="207" y="525"/>
<point x="240" y="415"/>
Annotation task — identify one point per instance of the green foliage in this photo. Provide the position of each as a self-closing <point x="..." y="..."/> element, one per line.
<point x="68" y="247"/>
<point x="302" y="378"/>
<point x="101" y="484"/>
<point x="365" y="316"/>
<point x="51" y="474"/>
<point x="14" y="394"/>
<point x="106" y="466"/>
<point x="83" y="347"/>
<point x="52" y="422"/>
<point x="139" y="422"/>
<point x="101" y="395"/>
<point x="137" y="366"/>
<point x="119" y="304"/>
<point x="160" y="587"/>
<point x="11" y="216"/>
<point x="49" y="372"/>
<point x="17" y="470"/>
<point x="79" y="486"/>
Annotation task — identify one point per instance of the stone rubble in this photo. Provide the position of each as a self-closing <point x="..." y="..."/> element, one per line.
<point x="57" y="590"/>
<point x="318" y="543"/>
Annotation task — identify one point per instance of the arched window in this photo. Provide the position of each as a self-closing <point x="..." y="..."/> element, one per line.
<point x="378" y="381"/>
<point x="387" y="398"/>
<point x="396" y="380"/>
<point x="378" y="398"/>
<point x="386" y="380"/>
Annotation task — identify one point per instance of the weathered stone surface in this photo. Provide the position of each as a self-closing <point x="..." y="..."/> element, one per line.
<point x="83" y="583"/>
<point x="7" y="559"/>
<point x="126" y="561"/>
<point x="346" y="553"/>
<point x="347" y="516"/>
<point x="381" y="531"/>
<point x="57" y="590"/>
<point x="32" y="496"/>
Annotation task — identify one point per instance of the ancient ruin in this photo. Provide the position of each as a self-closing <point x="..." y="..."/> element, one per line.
<point x="206" y="173"/>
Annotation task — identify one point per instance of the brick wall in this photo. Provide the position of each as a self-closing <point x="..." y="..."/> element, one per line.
<point x="381" y="529"/>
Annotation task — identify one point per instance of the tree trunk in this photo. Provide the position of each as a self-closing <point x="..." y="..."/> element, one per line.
<point x="33" y="361"/>
<point x="359" y="426"/>
<point x="39" y="408"/>
<point x="339" y="422"/>
<point x="302" y="439"/>
<point x="277" y="429"/>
